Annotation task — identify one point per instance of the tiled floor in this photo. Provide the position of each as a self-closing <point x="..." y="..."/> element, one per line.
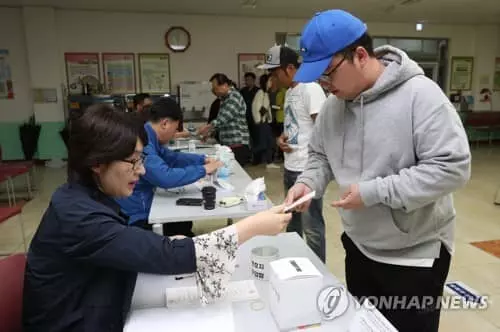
<point x="478" y="220"/>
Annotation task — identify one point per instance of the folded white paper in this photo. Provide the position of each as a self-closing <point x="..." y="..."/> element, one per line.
<point x="212" y="318"/>
<point x="370" y="321"/>
<point x="294" y="267"/>
<point x="189" y="297"/>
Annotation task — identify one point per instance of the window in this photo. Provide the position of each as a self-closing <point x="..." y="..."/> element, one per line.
<point x="292" y="40"/>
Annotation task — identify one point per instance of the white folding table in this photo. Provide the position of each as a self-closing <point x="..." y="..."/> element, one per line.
<point x="150" y="292"/>
<point x="165" y="210"/>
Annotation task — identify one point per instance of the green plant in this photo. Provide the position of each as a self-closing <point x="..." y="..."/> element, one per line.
<point x="29" y="132"/>
<point x="31" y="122"/>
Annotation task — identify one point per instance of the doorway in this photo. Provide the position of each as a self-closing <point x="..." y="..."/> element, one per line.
<point x="431" y="70"/>
<point x="430" y="53"/>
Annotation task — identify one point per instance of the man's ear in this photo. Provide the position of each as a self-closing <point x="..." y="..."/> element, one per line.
<point x="164" y="123"/>
<point x="97" y="169"/>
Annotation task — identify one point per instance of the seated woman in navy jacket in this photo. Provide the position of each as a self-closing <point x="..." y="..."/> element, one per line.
<point x="84" y="258"/>
<point x="164" y="168"/>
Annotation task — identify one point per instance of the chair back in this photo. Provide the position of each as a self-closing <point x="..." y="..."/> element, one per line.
<point x="11" y="292"/>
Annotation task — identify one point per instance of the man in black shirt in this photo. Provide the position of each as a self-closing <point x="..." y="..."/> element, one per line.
<point x="248" y="92"/>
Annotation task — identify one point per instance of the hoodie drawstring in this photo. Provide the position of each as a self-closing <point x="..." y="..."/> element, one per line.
<point x="343" y="133"/>
<point x="362" y="129"/>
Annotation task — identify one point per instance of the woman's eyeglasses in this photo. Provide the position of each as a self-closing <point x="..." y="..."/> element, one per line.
<point x="136" y="162"/>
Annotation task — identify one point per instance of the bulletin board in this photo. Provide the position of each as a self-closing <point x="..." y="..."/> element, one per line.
<point x="119" y="72"/>
<point x="154" y="73"/>
<point x="247" y="63"/>
<point x="496" y="77"/>
<point x="79" y="65"/>
<point x="6" y="85"/>
<point x="462" y="69"/>
<point x="195" y="96"/>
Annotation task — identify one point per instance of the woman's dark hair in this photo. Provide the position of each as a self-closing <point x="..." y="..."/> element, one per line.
<point x="101" y="135"/>
<point x="163" y="108"/>
<point x="263" y="82"/>
<point x="221" y="79"/>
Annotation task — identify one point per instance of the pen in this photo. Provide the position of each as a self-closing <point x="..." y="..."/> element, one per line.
<point x="183" y="277"/>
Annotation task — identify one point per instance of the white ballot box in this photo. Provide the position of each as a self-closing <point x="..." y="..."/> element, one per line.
<point x="294" y="286"/>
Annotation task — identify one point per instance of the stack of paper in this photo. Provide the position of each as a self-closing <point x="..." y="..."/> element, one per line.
<point x="212" y="318"/>
<point x="177" y="297"/>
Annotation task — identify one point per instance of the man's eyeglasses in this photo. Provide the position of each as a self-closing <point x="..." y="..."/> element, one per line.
<point x="326" y="77"/>
<point x="136" y="162"/>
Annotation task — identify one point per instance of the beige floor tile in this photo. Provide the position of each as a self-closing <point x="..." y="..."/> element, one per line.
<point x="474" y="276"/>
<point x="466" y="253"/>
<point x="492" y="313"/>
<point x="460" y="321"/>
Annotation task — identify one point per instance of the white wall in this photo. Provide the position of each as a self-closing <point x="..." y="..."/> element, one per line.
<point x="215" y="43"/>
<point x="12" y="38"/>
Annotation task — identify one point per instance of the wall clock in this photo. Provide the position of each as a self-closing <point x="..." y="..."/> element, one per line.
<point x="177" y="39"/>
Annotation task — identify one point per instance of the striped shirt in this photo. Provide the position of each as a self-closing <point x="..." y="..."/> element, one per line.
<point x="231" y="122"/>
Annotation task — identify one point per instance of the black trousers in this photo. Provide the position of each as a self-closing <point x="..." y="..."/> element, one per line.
<point x="366" y="278"/>
<point x="169" y="229"/>
<point x="242" y="154"/>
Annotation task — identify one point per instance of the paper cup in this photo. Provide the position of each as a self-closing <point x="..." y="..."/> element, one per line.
<point x="261" y="257"/>
<point x="158" y="229"/>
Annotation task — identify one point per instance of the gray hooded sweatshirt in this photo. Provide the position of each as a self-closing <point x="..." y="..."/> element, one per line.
<point x="403" y="142"/>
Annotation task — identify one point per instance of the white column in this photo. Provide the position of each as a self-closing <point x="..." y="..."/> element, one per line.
<point x="43" y="58"/>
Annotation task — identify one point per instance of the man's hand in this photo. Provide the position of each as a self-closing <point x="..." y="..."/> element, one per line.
<point x="209" y="160"/>
<point x="212" y="167"/>
<point x="203" y="130"/>
<point x="297" y="191"/>
<point x="350" y="199"/>
<point x="282" y="143"/>
<point x="182" y="134"/>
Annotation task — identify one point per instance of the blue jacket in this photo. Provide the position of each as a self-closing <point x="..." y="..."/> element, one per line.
<point x="83" y="262"/>
<point x="165" y="169"/>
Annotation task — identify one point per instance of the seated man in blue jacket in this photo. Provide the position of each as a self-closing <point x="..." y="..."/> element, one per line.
<point x="164" y="168"/>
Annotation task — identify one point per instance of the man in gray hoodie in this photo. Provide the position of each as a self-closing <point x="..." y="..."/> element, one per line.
<point x="396" y="146"/>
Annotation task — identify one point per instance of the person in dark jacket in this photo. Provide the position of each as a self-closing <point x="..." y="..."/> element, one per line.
<point x="142" y="101"/>
<point x="83" y="261"/>
<point x="164" y="168"/>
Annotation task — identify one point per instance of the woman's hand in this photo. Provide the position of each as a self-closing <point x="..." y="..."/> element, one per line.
<point x="270" y="222"/>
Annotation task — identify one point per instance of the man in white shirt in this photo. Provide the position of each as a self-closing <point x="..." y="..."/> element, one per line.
<point x="303" y="102"/>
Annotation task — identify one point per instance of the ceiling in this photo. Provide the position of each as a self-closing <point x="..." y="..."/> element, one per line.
<point x="431" y="11"/>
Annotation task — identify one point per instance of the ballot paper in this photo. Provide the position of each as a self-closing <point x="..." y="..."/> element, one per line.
<point x="303" y="199"/>
<point x="212" y="318"/>
<point x="370" y="320"/>
<point x="189" y="297"/>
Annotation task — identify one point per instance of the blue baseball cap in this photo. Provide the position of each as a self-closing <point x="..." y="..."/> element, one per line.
<point x="324" y="35"/>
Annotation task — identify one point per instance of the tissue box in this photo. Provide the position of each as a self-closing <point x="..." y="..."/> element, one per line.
<point x="258" y="203"/>
<point x="294" y="287"/>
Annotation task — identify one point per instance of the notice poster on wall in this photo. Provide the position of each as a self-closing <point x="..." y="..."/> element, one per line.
<point x="6" y="86"/>
<point x="496" y="77"/>
<point x="81" y="67"/>
<point x="461" y="73"/>
<point x="119" y="72"/>
<point x="154" y="73"/>
<point x="247" y="63"/>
